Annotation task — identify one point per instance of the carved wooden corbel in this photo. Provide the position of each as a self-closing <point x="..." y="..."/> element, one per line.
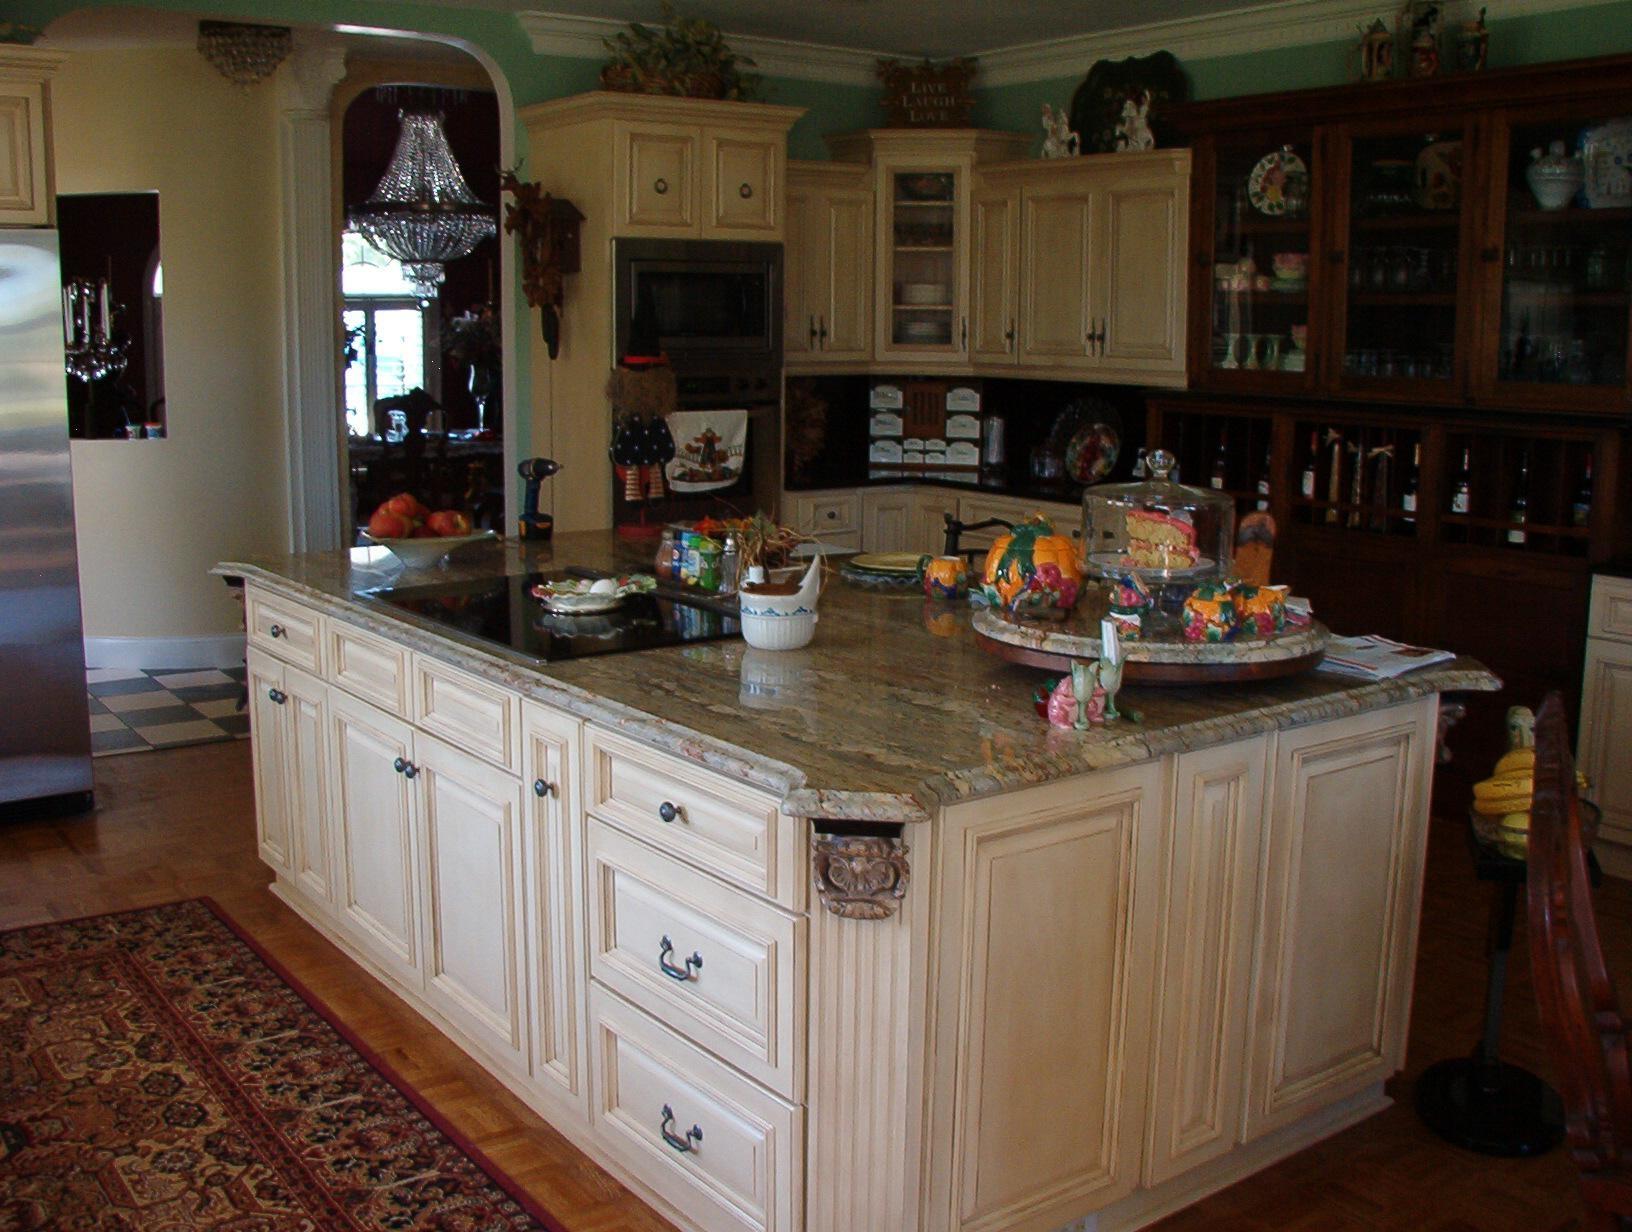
<point x="859" y="877"/>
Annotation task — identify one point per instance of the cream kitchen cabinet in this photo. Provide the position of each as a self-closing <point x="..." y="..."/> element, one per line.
<point x="827" y="265"/>
<point x="887" y="516"/>
<point x="1078" y="266"/>
<point x="1342" y="876"/>
<point x="931" y="507"/>
<point x="832" y="516"/>
<point x="1606" y="719"/>
<point x="27" y="194"/>
<point x="289" y="729"/>
<point x="921" y="183"/>
<point x="1066" y="519"/>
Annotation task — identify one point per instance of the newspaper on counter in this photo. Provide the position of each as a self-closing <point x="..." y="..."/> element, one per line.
<point x="1377" y="658"/>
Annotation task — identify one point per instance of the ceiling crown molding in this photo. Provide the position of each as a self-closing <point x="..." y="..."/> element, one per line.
<point x="562" y="34"/>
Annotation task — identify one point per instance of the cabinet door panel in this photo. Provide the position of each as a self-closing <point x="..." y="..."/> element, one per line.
<point x="1205" y="957"/>
<point x="1046" y="978"/>
<point x="470" y="836"/>
<point x="307" y="720"/>
<point x="1337" y="932"/>
<point x="744" y="186"/>
<point x="269" y="747"/>
<point x="804" y="262"/>
<point x="1142" y="257"/>
<point x="25" y="199"/>
<point x="1057" y="234"/>
<point x="1606" y="717"/>
<point x="657" y="174"/>
<point x="886" y="522"/>
<point x="847" y="306"/>
<point x="994" y="269"/>
<point x="374" y="820"/>
<point x="554" y="899"/>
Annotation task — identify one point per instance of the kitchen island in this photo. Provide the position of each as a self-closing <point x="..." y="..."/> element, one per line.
<point x="848" y="938"/>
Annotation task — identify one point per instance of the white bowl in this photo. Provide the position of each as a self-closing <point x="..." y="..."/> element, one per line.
<point x="419" y="553"/>
<point x="778" y="632"/>
<point x="918" y="293"/>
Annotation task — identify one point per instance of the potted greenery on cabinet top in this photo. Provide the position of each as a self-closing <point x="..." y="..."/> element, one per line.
<point x="687" y="57"/>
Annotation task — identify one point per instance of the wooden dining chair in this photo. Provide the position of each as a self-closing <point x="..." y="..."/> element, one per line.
<point x="1586" y="1034"/>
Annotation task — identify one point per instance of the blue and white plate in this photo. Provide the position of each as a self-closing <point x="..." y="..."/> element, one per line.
<point x="1606" y="157"/>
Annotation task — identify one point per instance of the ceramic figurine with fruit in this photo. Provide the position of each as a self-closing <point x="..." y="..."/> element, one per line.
<point x="1032" y="571"/>
<point x="1261" y="609"/>
<point x="944" y="577"/>
<point x="1130" y="600"/>
<point x="1209" y="613"/>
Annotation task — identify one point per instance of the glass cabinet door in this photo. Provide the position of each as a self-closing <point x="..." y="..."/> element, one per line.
<point x="1402" y="227"/>
<point x="924" y="240"/>
<point x="1263" y="269"/>
<point x="1565" y="252"/>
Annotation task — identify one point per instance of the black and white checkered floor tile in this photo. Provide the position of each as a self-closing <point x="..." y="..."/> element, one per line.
<point x="133" y="710"/>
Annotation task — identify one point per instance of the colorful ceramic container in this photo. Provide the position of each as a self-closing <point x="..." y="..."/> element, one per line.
<point x="1032" y="570"/>
<point x="944" y="577"/>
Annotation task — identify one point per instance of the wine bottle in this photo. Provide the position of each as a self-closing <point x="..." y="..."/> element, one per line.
<point x="1263" y="478"/>
<point x="1519" y="511"/>
<point x="1306" y="485"/>
<point x="1221" y="461"/>
<point x="1408" y="489"/>
<point x="1462" y="489"/>
<point x="1581" y="506"/>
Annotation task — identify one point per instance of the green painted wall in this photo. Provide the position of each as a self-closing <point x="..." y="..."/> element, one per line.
<point x="1600" y="29"/>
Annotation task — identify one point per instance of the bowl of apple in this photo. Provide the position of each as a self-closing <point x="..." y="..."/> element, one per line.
<point x="419" y="536"/>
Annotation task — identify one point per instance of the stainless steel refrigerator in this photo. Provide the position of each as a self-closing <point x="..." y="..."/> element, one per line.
<point x="45" y="734"/>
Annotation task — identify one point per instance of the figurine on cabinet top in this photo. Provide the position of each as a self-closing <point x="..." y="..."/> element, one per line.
<point x="1058" y="139"/>
<point x="1424" y="20"/>
<point x="1376" y="52"/>
<point x="1133" y="133"/>
<point x="1473" y="45"/>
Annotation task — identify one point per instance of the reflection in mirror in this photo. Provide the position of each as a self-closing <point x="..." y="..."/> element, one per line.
<point x="113" y="314"/>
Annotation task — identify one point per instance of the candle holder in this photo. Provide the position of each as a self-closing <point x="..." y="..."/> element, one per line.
<point x="91" y="351"/>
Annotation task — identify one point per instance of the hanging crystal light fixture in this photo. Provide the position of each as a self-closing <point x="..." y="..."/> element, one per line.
<point x="423" y="213"/>
<point x="243" y="53"/>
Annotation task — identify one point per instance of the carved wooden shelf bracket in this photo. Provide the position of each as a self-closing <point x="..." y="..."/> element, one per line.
<point x="859" y="877"/>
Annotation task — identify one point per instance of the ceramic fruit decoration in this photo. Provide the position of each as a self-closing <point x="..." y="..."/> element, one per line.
<point x="944" y="577"/>
<point x="1209" y="614"/>
<point x="1032" y="570"/>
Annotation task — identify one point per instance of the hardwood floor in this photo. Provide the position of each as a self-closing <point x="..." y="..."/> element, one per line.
<point x="180" y="823"/>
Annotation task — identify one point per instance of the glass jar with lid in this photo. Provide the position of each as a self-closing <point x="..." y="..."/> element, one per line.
<point x="1172" y="538"/>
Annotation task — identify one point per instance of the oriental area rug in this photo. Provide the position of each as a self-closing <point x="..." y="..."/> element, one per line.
<point x="159" y="1071"/>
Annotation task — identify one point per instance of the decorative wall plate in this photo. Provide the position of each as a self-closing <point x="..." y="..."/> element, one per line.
<point x="1270" y="177"/>
<point x="1606" y="157"/>
<point x="1096" y="106"/>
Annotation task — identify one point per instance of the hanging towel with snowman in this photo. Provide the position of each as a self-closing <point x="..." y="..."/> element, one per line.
<point x="709" y="447"/>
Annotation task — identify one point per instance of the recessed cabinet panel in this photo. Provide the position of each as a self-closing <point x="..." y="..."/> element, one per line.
<point x="994" y="276"/>
<point x="745" y="189"/>
<point x="1606" y="714"/>
<point x="269" y="748"/>
<point x="1140" y="306"/>
<point x="658" y="179"/>
<point x="1058" y="242"/>
<point x="848" y="221"/>
<point x="24" y="192"/>
<point x="306" y="715"/>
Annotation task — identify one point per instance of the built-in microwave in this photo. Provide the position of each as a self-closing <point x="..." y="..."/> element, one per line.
<point x="713" y="302"/>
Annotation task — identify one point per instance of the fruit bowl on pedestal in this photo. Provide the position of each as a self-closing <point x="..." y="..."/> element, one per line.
<point x="420" y="553"/>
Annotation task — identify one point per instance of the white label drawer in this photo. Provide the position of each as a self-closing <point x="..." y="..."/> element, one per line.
<point x="730" y="830"/>
<point x="717" y="965"/>
<point x="369" y="666"/>
<point x="710" y="1141"/>
<point x="286" y="629"/>
<point x="470" y="714"/>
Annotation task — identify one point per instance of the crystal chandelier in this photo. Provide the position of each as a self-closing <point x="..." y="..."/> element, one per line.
<point x="244" y="54"/>
<point x="423" y="213"/>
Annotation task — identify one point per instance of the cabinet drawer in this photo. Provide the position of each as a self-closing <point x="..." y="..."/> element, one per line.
<point x="1611" y="608"/>
<point x="471" y="714"/>
<point x="286" y="629"/>
<point x="744" y="188"/>
<point x="710" y="1141"/>
<point x="820" y="515"/>
<point x="731" y="831"/>
<point x="715" y="964"/>
<point x="369" y="666"/>
<point x="657" y="174"/>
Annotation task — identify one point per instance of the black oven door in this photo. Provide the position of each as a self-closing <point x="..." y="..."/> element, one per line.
<point x="705" y="298"/>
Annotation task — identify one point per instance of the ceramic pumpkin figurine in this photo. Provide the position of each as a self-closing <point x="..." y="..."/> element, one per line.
<point x="1032" y="570"/>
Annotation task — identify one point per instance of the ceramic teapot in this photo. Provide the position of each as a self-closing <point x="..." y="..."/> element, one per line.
<point x="780" y="616"/>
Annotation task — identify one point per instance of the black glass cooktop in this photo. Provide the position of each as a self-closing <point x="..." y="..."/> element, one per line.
<point x="504" y="611"/>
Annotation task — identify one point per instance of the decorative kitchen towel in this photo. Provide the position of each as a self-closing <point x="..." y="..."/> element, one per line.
<point x="709" y="449"/>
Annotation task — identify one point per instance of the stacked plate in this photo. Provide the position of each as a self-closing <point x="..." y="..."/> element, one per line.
<point x="883" y="569"/>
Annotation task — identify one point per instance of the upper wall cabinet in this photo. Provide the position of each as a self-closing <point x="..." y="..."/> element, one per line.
<point x="26" y="191"/>
<point x="1078" y="266"/>
<point x="827" y="265"/>
<point x="1393" y="242"/>
<point x="680" y="167"/>
<point x="921" y="181"/>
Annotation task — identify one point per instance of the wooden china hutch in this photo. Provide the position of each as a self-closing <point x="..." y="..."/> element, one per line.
<point x="1422" y="374"/>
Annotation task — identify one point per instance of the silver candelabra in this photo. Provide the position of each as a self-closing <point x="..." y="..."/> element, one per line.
<point x="91" y="351"/>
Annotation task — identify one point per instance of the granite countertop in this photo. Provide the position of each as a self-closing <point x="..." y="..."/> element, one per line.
<point x="892" y="711"/>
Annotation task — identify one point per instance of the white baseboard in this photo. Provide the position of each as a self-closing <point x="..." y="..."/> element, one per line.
<point x="218" y="650"/>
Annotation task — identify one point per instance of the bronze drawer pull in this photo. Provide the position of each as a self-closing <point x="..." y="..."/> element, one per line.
<point x="670" y="812"/>
<point x="694" y="1135"/>
<point x="541" y="788"/>
<point x="688" y="972"/>
<point x="660" y="186"/>
<point x="275" y="631"/>
<point x="277" y="695"/>
<point x="746" y="191"/>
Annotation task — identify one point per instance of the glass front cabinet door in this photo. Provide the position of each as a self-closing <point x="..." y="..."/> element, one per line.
<point x="1557" y="261"/>
<point x="923" y="230"/>
<point x="1255" y="262"/>
<point x="1398" y="232"/>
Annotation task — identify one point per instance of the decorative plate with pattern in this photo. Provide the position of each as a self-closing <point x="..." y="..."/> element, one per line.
<point x="1606" y="157"/>
<point x="1270" y="177"/>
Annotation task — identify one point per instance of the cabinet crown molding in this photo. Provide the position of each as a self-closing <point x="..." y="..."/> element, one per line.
<point x="658" y="108"/>
<point x="20" y="63"/>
